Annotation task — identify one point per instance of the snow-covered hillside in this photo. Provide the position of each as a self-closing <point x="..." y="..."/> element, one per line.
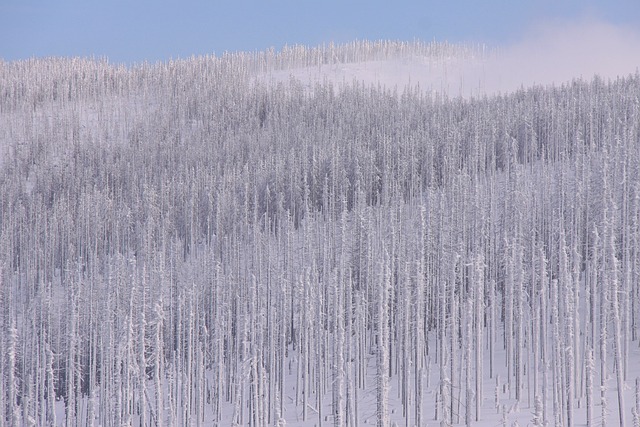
<point x="454" y="76"/>
<point x="213" y="242"/>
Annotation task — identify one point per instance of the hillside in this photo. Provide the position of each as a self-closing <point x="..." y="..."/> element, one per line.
<point x="252" y="240"/>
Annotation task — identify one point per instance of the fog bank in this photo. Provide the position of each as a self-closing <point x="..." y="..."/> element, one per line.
<point x="547" y="54"/>
<point x="558" y="53"/>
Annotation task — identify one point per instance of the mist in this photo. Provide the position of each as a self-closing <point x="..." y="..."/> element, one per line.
<point x="546" y="54"/>
<point x="561" y="52"/>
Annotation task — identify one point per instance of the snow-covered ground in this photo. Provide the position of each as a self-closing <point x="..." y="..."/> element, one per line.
<point x="452" y="76"/>
<point x="498" y="408"/>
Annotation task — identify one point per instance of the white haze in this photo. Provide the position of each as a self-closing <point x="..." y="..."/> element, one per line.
<point x="559" y="53"/>
<point x="548" y="54"/>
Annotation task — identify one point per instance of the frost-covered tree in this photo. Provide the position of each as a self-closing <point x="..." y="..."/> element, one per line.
<point x="200" y="240"/>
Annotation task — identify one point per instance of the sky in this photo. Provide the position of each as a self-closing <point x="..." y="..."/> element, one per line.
<point x="133" y="31"/>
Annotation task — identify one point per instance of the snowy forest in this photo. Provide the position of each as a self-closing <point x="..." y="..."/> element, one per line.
<point x="195" y="243"/>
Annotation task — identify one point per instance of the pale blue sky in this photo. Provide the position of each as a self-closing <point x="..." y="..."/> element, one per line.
<point x="138" y="30"/>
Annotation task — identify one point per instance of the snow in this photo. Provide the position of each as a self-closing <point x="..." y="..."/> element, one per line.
<point x="503" y="411"/>
<point x="454" y="76"/>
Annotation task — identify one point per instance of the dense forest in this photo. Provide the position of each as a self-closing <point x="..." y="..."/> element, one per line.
<point x="192" y="243"/>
